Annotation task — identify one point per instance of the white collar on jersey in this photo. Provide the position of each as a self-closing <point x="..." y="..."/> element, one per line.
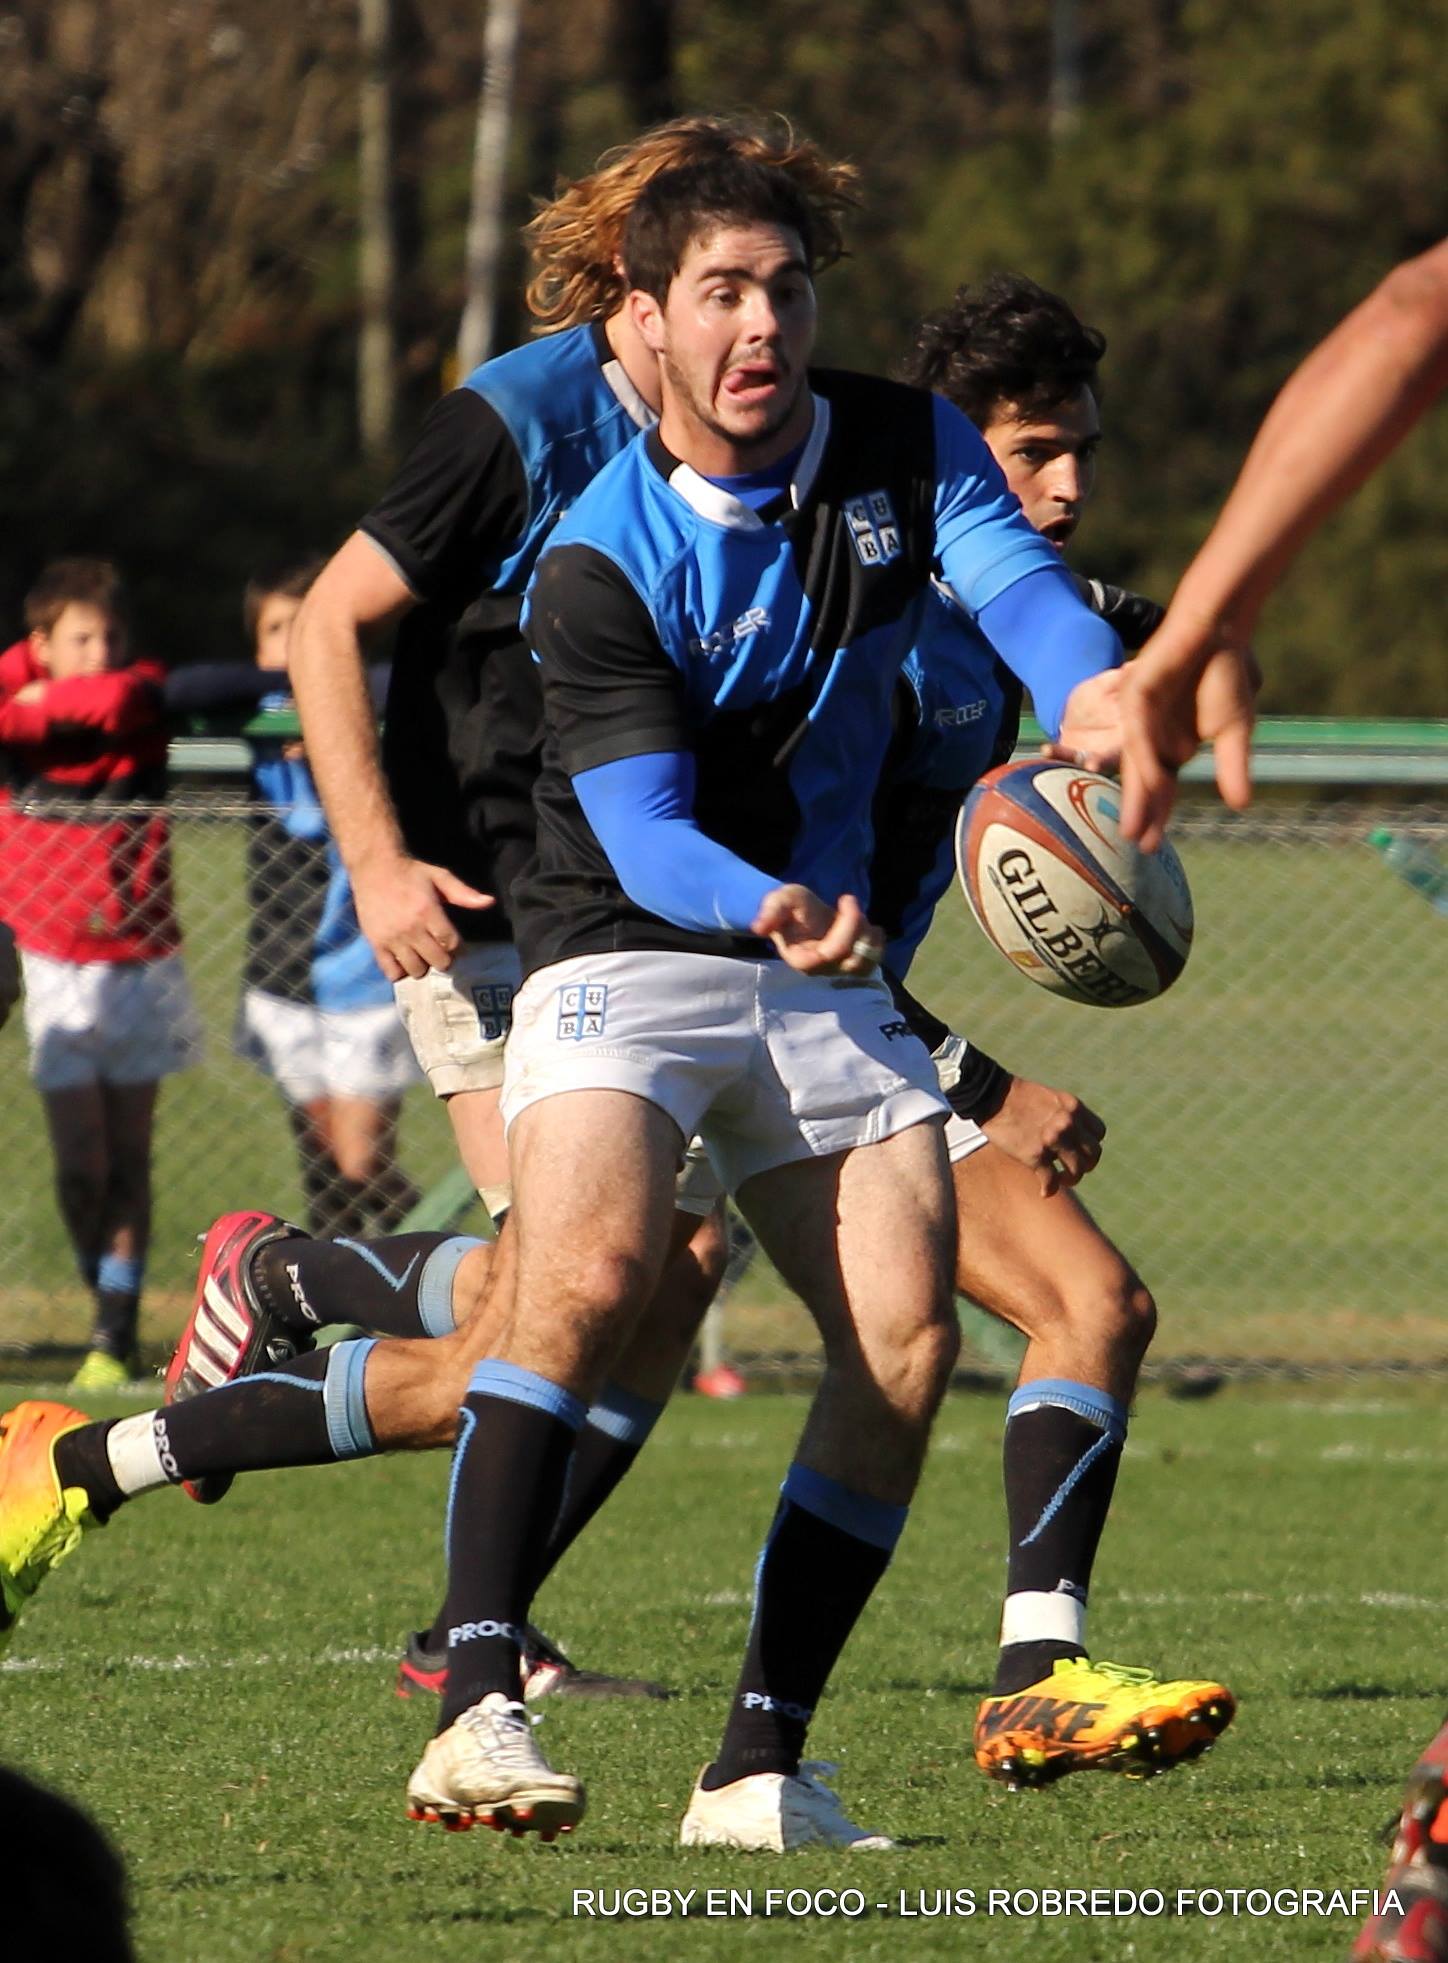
<point x="638" y="411"/>
<point x="721" y="508"/>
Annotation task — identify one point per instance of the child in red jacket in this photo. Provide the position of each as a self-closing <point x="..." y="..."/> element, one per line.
<point x="85" y="883"/>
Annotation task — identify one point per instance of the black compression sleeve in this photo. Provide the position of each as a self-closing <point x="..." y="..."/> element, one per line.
<point x="980" y="1090"/>
<point x="1134" y="617"/>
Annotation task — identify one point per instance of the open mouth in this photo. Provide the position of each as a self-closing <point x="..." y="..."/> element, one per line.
<point x="1059" y="531"/>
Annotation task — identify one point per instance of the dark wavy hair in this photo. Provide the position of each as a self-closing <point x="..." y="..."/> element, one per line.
<point x="680" y="205"/>
<point x="1005" y="341"/>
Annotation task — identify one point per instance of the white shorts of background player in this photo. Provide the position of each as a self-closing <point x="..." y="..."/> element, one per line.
<point x="458" y="1018"/>
<point x="767" y="1065"/>
<point x="311" y="1053"/>
<point x="108" y="1022"/>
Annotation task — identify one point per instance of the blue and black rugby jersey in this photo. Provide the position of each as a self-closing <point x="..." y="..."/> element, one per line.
<point x="496" y="464"/>
<point x="957" y="714"/>
<point x="668" y="616"/>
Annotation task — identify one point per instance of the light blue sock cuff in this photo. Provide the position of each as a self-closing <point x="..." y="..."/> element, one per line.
<point x="435" y="1284"/>
<point x="119" y="1274"/>
<point x="349" y="1431"/>
<point x="623" y="1415"/>
<point x="1109" y="1413"/>
<point x="506" y="1380"/>
<point x="876" y="1521"/>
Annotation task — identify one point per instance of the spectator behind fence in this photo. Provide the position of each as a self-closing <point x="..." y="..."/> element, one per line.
<point x="317" y="1014"/>
<point x="85" y="882"/>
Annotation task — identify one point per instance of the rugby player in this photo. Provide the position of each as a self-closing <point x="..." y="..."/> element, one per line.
<point x="727" y="606"/>
<point x="1020" y="364"/>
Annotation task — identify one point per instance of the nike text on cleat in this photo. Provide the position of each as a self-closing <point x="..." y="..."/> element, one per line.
<point x="1102" y="1716"/>
<point x="486" y="1770"/>
<point x="774" y="1812"/>
<point x="1412" y="1924"/>
<point x="232" y="1333"/>
<point x="547" y="1672"/>
<point x="40" y="1523"/>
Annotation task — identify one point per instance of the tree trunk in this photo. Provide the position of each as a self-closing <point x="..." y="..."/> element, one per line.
<point x="377" y="227"/>
<point x="490" y="180"/>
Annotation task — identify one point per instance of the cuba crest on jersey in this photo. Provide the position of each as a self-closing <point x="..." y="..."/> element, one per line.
<point x="874" y="528"/>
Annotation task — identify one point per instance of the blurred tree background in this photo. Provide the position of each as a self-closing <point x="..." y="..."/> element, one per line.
<point x="1211" y="182"/>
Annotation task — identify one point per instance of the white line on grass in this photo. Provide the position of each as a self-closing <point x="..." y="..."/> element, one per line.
<point x="53" y="1665"/>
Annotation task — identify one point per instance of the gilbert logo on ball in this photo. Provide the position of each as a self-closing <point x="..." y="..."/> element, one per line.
<point x="1067" y="900"/>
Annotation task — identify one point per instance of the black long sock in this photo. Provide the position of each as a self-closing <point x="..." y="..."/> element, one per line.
<point x="117" y="1283"/>
<point x="117" y="1310"/>
<point x="825" y="1554"/>
<point x="611" y="1438"/>
<point x="400" y="1286"/>
<point x="312" y="1412"/>
<point x="515" y="1438"/>
<point x="1061" y="1454"/>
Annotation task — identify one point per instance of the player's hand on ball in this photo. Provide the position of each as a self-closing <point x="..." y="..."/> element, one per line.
<point x="817" y="938"/>
<point x="1091" y="724"/>
<point x="1049" y="1130"/>
<point x="400" y="909"/>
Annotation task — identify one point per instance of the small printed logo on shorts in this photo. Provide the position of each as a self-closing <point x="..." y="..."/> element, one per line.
<point x="874" y="528"/>
<point x="890" y="1030"/>
<point x="493" y="1002"/>
<point x="582" y="1009"/>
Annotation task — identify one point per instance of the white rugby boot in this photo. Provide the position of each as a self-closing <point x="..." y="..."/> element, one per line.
<point x="772" y="1813"/>
<point x="486" y="1770"/>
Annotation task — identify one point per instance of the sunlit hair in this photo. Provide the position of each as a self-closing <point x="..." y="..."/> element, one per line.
<point x="86" y="582"/>
<point x="575" y="240"/>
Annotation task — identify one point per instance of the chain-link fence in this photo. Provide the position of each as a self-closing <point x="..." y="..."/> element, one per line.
<point x="1274" y="1164"/>
<point x="320" y="1116"/>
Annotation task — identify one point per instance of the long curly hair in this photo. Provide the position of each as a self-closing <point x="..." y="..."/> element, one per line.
<point x="574" y="240"/>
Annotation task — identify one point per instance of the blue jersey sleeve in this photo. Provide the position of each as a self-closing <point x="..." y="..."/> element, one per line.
<point x="983" y="542"/>
<point x="1046" y="635"/>
<point x="641" y="809"/>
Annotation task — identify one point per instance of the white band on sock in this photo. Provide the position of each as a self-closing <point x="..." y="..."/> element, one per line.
<point x="1036" y="1617"/>
<point x="135" y="1454"/>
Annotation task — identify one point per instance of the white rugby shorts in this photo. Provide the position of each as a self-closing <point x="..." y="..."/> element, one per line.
<point x="108" y="1022"/>
<point x="962" y="1135"/>
<point x="311" y="1053"/>
<point x="767" y="1065"/>
<point x="458" y="1018"/>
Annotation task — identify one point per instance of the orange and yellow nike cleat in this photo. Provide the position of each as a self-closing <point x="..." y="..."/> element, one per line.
<point x="1097" y="1716"/>
<point x="40" y="1523"/>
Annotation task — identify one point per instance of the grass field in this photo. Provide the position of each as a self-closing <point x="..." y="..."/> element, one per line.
<point x="1271" y="1120"/>
<point x="215" y="1686"/>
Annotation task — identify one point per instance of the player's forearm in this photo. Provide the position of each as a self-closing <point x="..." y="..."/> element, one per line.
<point x="339" y="725"/>
<point x="1345" y="409"/>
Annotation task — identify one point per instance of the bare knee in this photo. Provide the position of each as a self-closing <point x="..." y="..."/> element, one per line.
<point x="911" y="1361"/>
<point x="1112" y="1314"/>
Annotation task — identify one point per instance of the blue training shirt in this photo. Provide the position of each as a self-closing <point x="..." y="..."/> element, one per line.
<point x="670" y="617"/>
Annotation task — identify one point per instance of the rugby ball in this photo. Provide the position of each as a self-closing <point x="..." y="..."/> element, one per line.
<point x="1066" y="899"/>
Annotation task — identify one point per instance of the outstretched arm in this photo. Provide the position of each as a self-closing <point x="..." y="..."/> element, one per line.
<point x="1344" y="410"/>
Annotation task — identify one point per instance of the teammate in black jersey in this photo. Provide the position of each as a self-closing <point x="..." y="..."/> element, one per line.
<point x="720" y="622"/>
